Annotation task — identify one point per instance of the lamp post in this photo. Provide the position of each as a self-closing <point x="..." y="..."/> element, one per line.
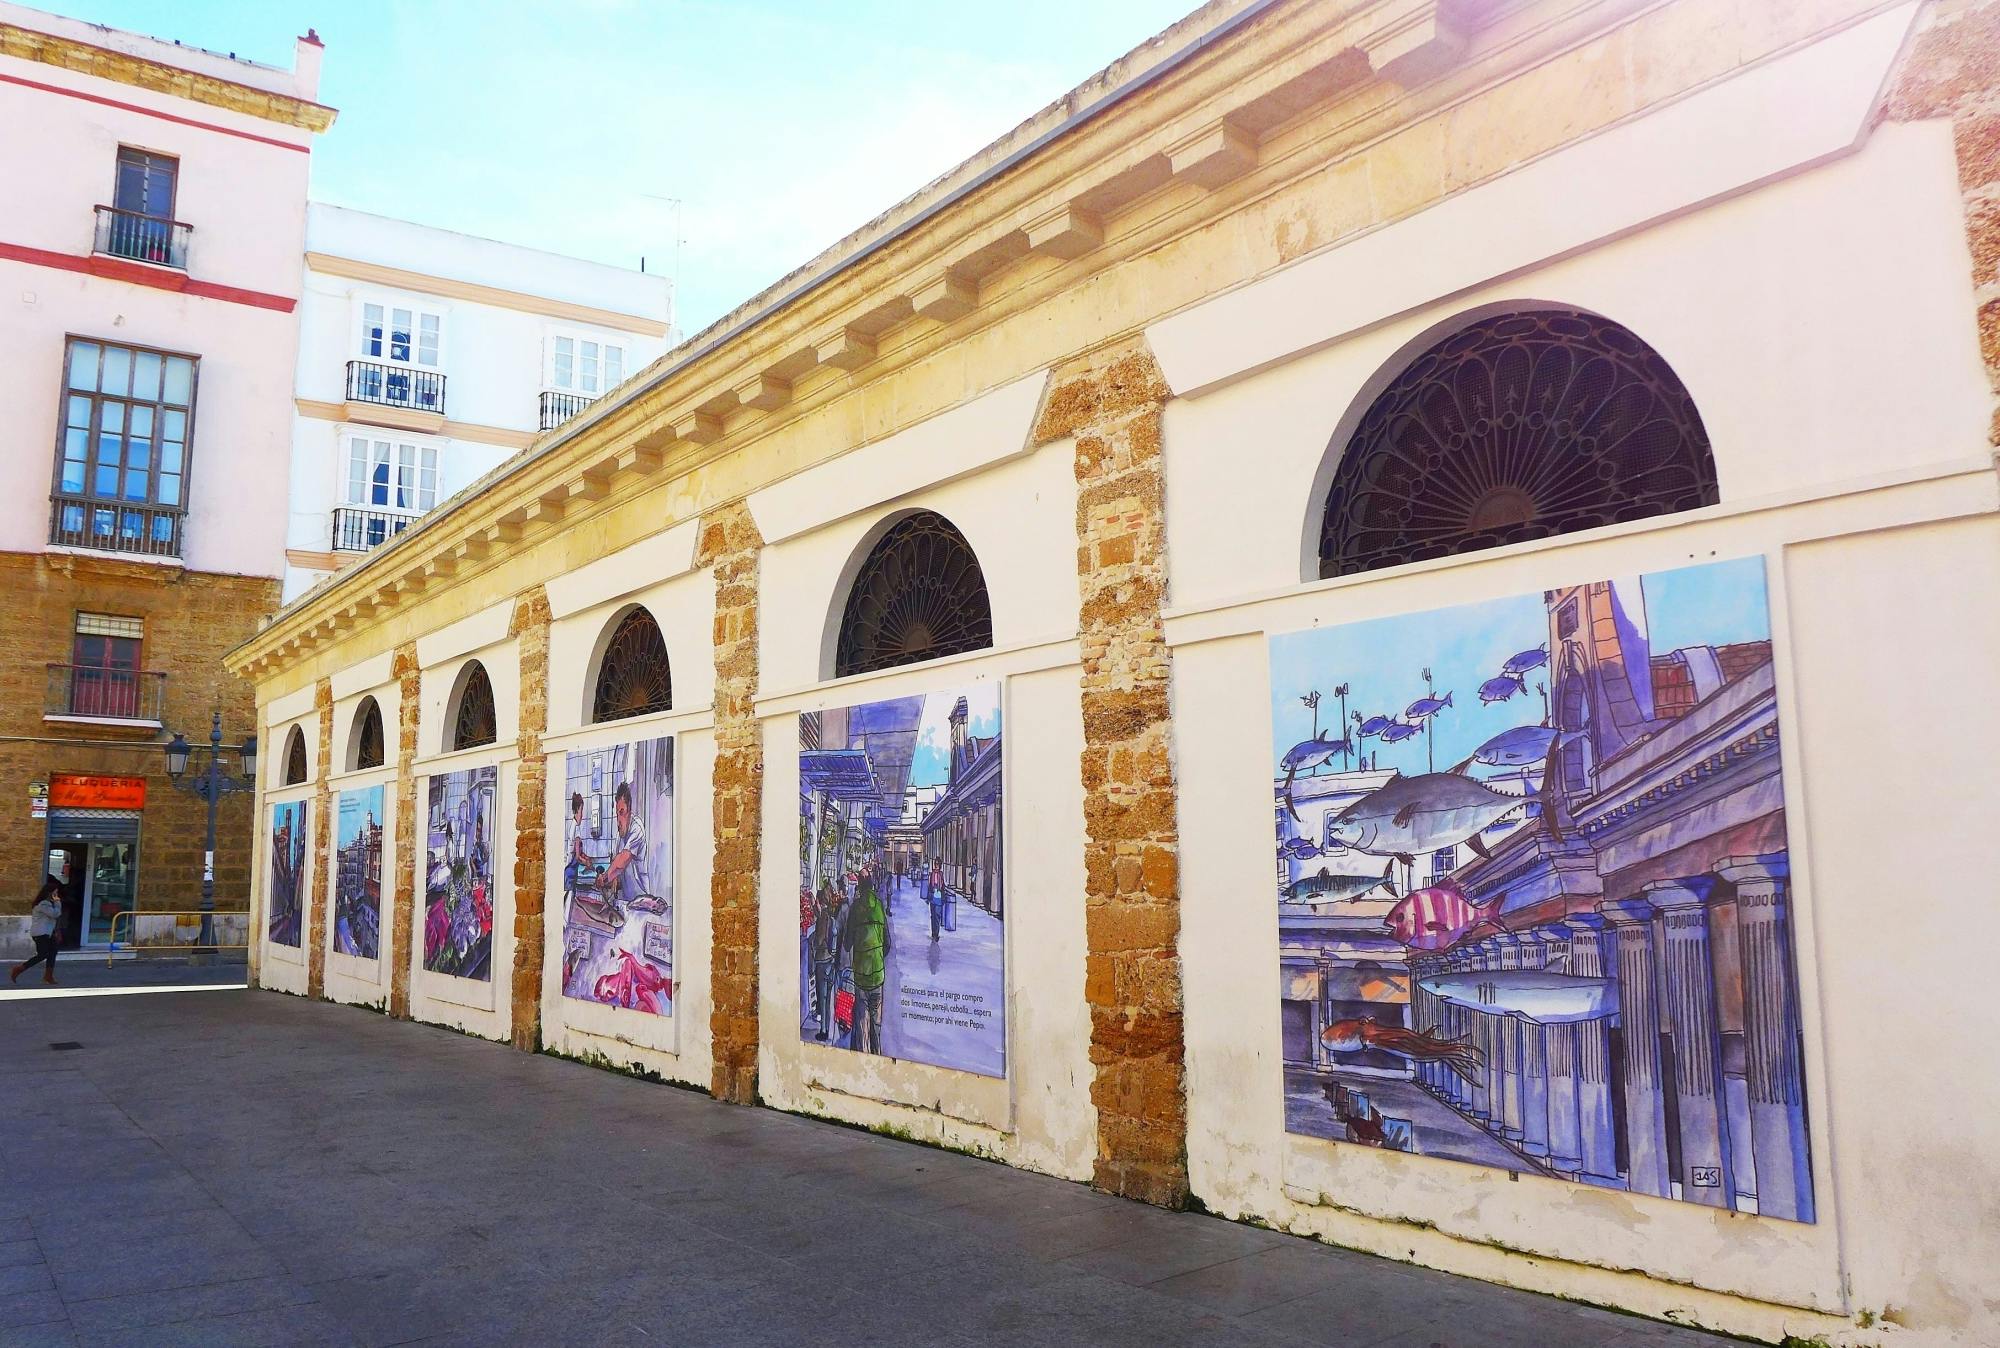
<point x="210" y="785"/>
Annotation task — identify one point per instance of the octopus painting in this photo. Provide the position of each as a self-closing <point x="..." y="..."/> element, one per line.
<point x="1349" y="1036"/>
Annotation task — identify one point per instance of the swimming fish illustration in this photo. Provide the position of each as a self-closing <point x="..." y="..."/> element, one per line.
<point x="1309" y="754"/>
<point x="1326" y="887"/>
<point x="1522" y="744"/>
<point x="1349" y="1036"/>
<point x="1426" y="707"/>
<point x="1501" y="688"/>
<point x="1540" y="995"/>
<point x="1297" y="849"/>
<point x="1408" y="815"/>
<point x="1373" y="726"/>
<point x="1434" y="917"/>
<point x="1399" y="731"/>
<point x="1523" y="661"/>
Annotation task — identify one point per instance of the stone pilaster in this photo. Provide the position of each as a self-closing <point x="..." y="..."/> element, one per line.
<point x="403" y="870"/>
<point x="1597" y="1138"/>
<point x="530" y="630"/>
<point x="322" y="825"/>
<point x="1534" y="1057"/>
<point x="1948" y="72"/>
<point x="1110" y="402"/>
<point x="730" y="545"/>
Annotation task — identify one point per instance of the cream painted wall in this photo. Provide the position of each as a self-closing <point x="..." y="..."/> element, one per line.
<point x="1802" y="384"/>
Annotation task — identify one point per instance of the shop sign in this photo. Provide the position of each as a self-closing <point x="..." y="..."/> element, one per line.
<point x="38" y="800"/>
<point x="79" y="792"/>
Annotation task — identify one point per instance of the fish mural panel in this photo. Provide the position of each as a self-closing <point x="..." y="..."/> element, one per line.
<point x="1486" y="919"/>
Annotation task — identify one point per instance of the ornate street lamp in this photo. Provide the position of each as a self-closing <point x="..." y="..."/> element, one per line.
<point x="211" y="785"/>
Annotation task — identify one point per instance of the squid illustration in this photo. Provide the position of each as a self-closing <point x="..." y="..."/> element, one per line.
<point x="1346" y="1036"/>
<point x="635" y="985"/>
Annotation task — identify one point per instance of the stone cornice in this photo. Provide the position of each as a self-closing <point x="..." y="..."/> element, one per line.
<point x="1288" y="91"/>
<point x="175" y="81"/>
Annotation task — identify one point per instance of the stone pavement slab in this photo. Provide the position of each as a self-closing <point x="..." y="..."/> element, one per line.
<point x="242" y="1168"/>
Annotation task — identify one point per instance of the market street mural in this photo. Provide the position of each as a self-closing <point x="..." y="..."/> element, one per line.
<point x="288" y="868"/>
<point x="618" y="869"/>
<point x="458" y="866"/>
<point x="357" y="874"/>
<point x="1534" y="908"/>
<point x="901" y="901"/>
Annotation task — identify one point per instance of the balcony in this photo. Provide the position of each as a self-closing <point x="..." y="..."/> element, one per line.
<point x="97" y="695"/>
<point x="357" y="530"/>
<point x="113" y="526"/>
<point x="560" y="407"/>
<point x="395" y="395"/>
<point x="142" y="238"/>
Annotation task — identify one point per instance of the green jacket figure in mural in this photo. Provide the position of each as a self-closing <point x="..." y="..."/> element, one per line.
<point x="868" y="934"/>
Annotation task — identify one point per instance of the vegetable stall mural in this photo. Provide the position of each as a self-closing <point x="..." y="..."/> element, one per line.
<point x="1533" y="898"/>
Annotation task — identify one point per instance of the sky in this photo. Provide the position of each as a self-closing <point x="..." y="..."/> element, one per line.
<point x="930" y="764"/>
<point x="781" y="125"/>
<point x="1381" y="660"/>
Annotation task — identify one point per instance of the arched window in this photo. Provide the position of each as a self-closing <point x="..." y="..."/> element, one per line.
<point x="919" y="595"/>
<point x="473" y="722"/>
<point x="632" y="674"/>
<point x="368" y="746"/>
<point x="295" y="757"/>
<point x="1517" y="426"/>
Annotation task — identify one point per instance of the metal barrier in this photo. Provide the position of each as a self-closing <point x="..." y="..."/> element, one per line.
<point x="188" y="946"/>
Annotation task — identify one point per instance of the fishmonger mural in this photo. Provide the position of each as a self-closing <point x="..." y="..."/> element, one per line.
<point x="458" y="888"/>
<point x="901" y="947"/>
<point x="1533" y="903"/>
<point x="618" y="875"/>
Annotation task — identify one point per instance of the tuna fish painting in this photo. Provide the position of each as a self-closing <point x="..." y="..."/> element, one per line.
<point x="1558" y="935"/>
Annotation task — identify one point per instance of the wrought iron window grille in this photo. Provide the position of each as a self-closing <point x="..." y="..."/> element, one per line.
<point x="920" y="595"/>
<point x="476" y="722"/>
<point x="633" y="678"/>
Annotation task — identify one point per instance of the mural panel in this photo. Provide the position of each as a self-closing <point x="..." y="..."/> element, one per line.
<point x="458" y="869"/>
<point x="901" y="891"/>
<point x="618" y="876"/>
<point x="1534" y="906"/>
<point x="357" y="872"/>
<point x="288" y="867"/>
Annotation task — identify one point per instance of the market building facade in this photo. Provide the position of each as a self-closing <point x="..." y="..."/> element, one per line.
<point x="1493" y="373"/>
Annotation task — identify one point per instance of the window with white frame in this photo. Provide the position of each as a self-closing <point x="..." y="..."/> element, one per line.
<point x="404" y="336"/>
<point x="585" y="365"/>
<point x="391" y="475"/>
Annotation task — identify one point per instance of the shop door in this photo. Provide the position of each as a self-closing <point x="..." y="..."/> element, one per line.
<point x="108" y="891"/>
<point x="69" y="863"/>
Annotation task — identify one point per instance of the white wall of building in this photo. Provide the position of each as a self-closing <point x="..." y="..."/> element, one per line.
<point x="495" y="357"/>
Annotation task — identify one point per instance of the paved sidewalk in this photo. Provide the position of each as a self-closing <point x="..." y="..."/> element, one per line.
<point x="77" y="969"/>
<point x="242" y="1168"/>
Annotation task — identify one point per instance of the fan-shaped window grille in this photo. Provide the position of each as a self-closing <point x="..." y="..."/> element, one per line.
<point x="919" y="595"/>
<point x="474" y="724"/>
<point x="368" y="735"/>
<point x="1519" y="426"/>
<point x="295" y="757"/>
<point x="632" y="678"/>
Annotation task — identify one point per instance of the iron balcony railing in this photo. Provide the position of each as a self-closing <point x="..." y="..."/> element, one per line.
<point x="356" y="530"/>
<point x="113" y="526"/>
<point x="371" y="381"/>
<point x="142" y="237"/>
<point x="100" y="693"/>
<point x="560" y="407"/>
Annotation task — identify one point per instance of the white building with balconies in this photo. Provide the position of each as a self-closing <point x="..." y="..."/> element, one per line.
<point x="427" y="357"/>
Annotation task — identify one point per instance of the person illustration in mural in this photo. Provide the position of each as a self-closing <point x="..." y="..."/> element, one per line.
<point x="935" y="896"/>
<point x="634" y="982"/>
<point x="822" y="942"/>
<point x="867" y="941"/>
<point x="575" y="862"/>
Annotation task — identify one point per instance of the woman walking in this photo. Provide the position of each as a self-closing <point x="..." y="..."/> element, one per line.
<point x="42" y="921"/>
